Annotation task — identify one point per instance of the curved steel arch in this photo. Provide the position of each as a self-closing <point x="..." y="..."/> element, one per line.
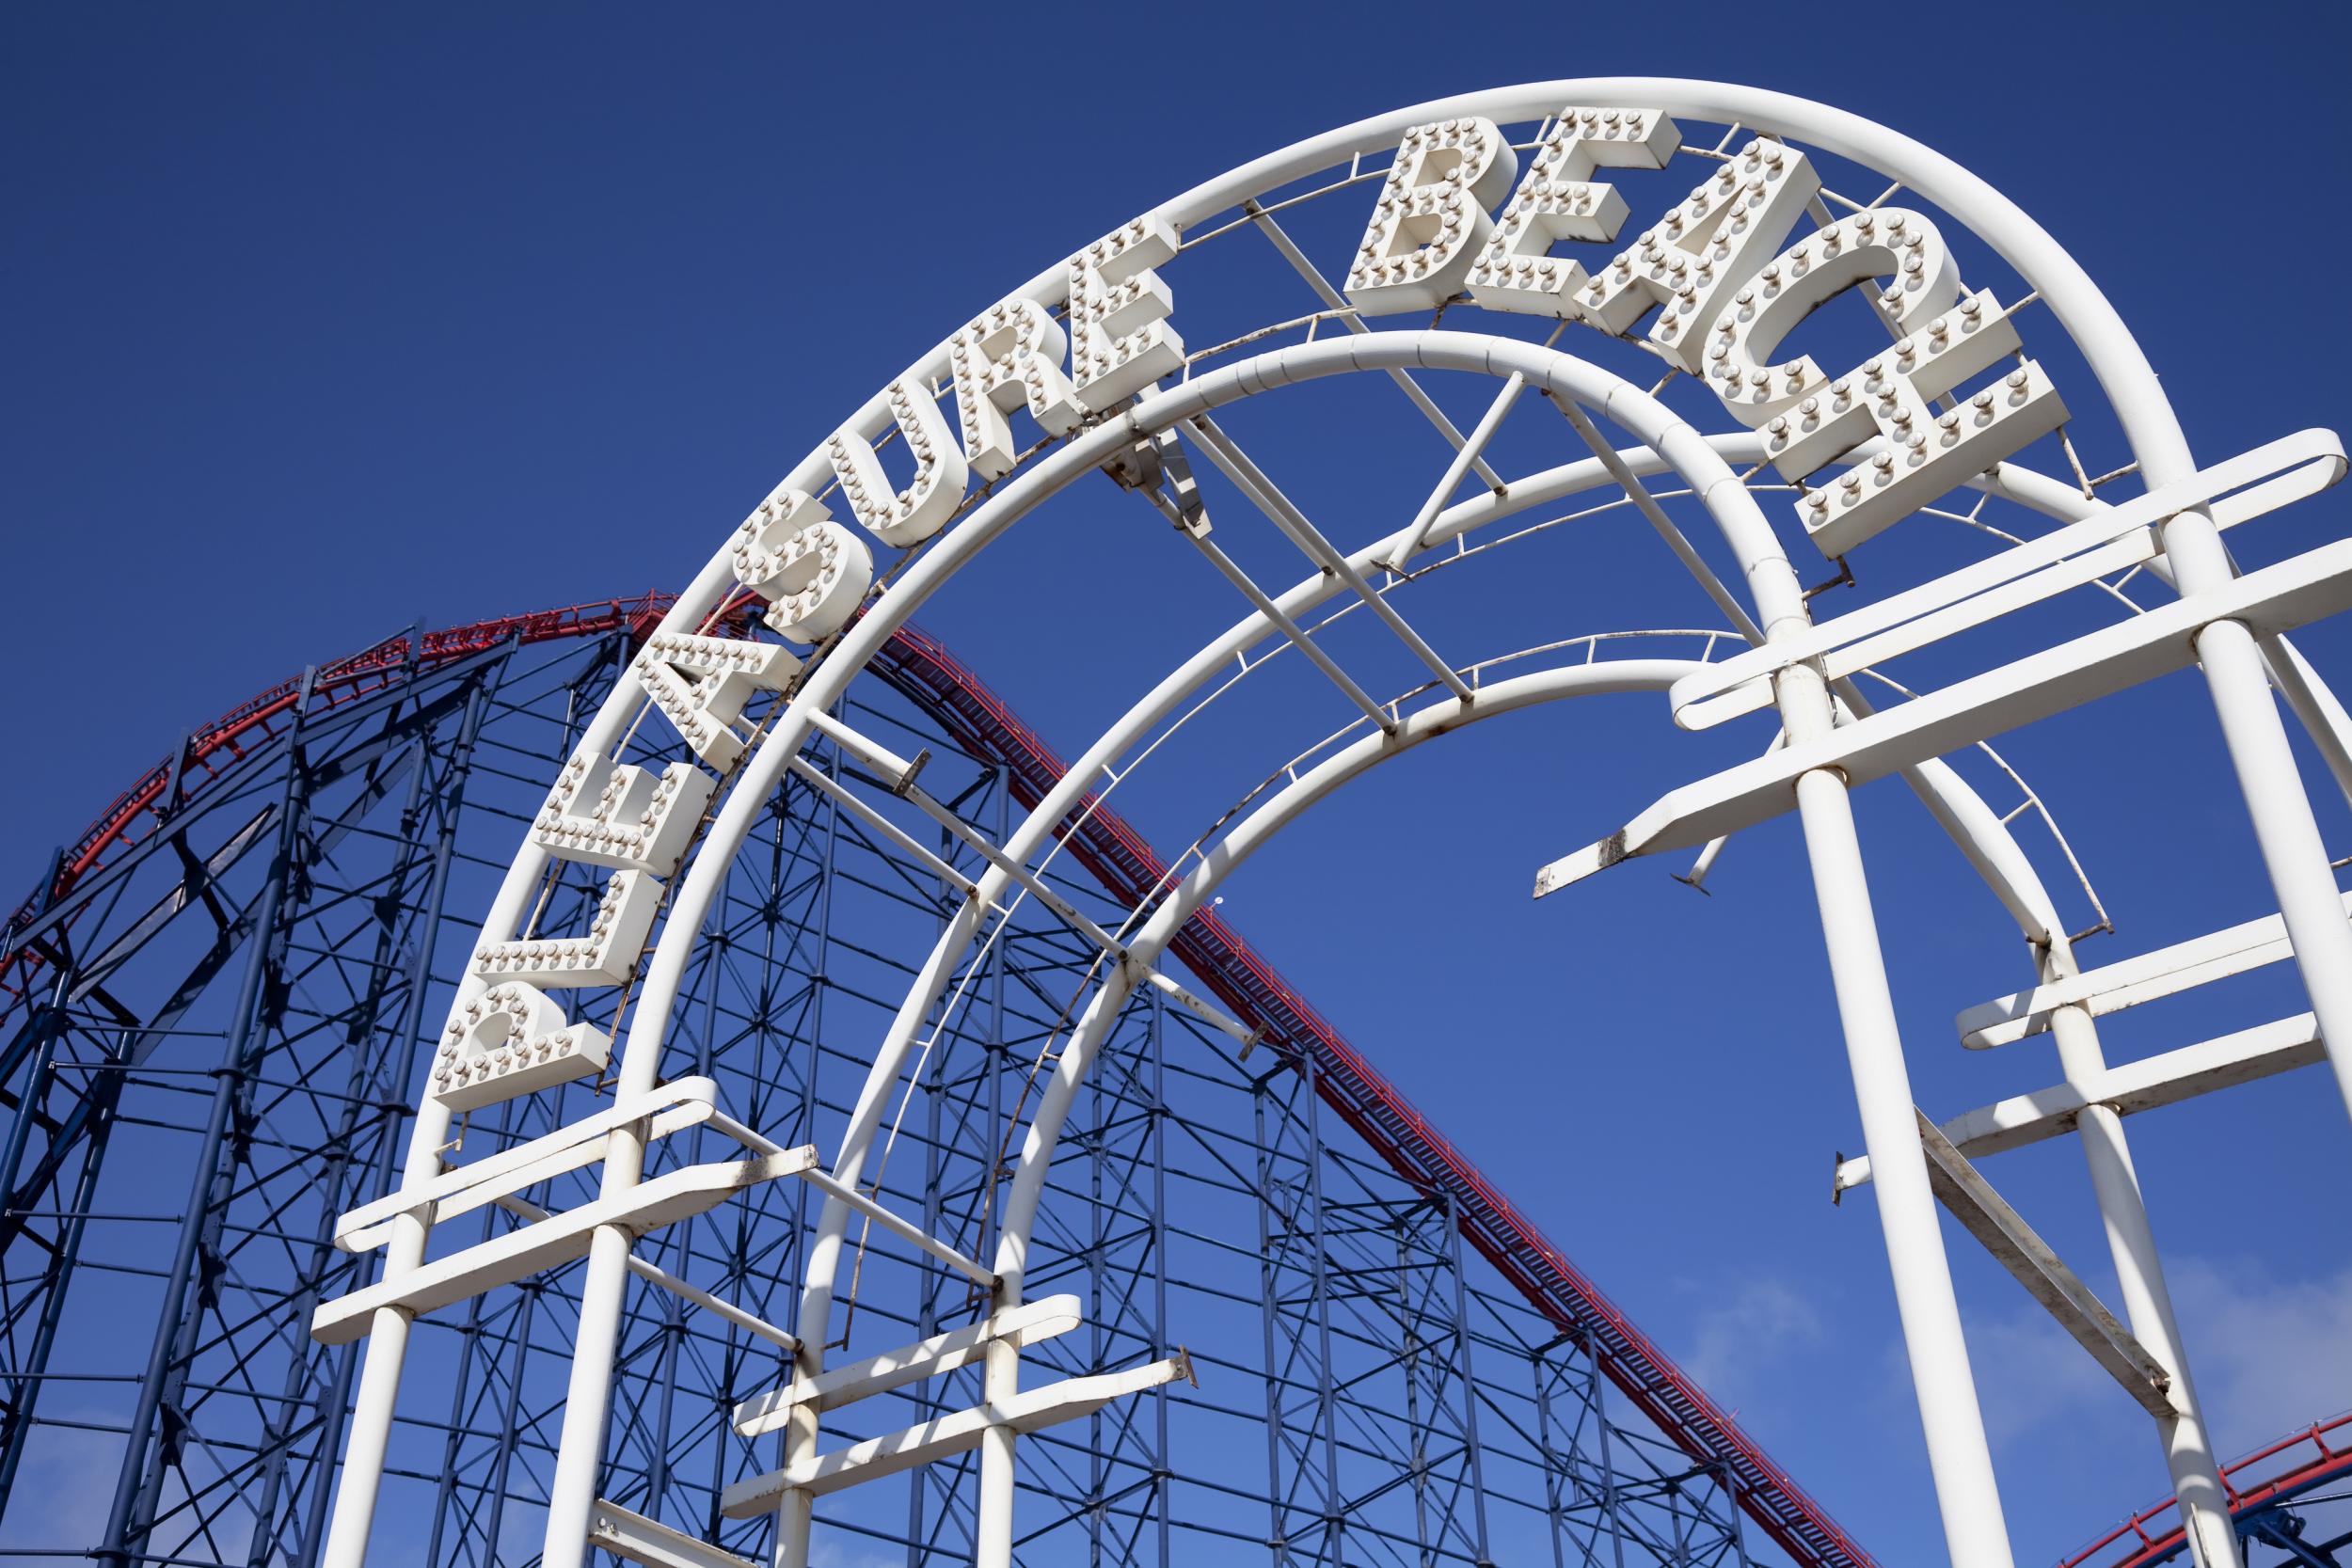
<point x="2232" y="658"/>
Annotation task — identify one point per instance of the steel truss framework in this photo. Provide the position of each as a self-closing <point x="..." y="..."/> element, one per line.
<point x="195" y="1003"/>
<point x="1006" y="1060"/>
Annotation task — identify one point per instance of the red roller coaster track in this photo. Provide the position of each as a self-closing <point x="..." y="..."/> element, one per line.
<point x="2283" y="1469"/>
<point x="1128" y="868"/>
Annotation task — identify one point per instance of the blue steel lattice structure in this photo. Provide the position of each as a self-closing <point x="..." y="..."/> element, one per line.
<point x="211" y="1019"/>
<point x="209" y="1026"/>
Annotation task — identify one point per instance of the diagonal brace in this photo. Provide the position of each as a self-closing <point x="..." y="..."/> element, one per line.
<point x="2005" y="1235"/>
<point x="1354" y="319"/>
<point x="1263" y="494"/>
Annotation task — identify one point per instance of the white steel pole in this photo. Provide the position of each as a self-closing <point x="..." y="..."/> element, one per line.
<point x="370" y="1434"/>
<point x="2284" y="828"/>
<point x="1958" y="1456"/>
<point x="2139" y="1274"/>
<point x="1000" y="1379"/>
<point x="588" y="1397"/>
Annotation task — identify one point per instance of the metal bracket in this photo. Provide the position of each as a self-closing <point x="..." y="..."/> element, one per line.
<point x="1156" y="467"/>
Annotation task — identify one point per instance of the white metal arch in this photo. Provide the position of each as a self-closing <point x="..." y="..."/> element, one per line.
<point x="1906" y="1206"/>
<point x="2234" y="661"/>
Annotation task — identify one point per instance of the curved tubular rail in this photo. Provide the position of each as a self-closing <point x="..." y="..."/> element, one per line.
<point x="2254" y="1483"/>
<point x="1120" y="858"/>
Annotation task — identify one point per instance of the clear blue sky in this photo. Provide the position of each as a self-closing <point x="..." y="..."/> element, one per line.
<point x="323" y="319"/>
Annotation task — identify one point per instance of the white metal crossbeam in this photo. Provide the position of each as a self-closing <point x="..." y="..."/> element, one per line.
<point x="1354" y="322"/>
<point x="1070" y="914"/>
<point x="2250" y="485"/>
<point x="650" y="1543"/>
<point x="1262" y="602"/>
<point x="552" y="1241"/>
<point x="653" y="1273"/>
<point x="946" y="1437"/>
<point x="1028" y="1325"/>
<point x="2277" y="599"/>
<point x="1684" y="551"/>
<point x="671" y="1108"/>
<point x="2129" y="982"/>
<point x="1036" y="885"/>
<point x="2262" y="1051"/>
<point x="1407" y="545"/>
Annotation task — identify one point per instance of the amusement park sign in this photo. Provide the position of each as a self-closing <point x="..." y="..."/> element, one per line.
<point x="1091" y="353"/>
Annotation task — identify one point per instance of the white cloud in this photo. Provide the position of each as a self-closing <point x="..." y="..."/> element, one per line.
<point x="2269" y="1354"/>
<point x="67" y="1482"/>
<point x="2030" y="1371"/>
<point x="1750" y="1332"/>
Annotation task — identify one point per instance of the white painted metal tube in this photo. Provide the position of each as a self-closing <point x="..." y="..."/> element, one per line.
<point x="1417" y="532"/>
<point x="1263" y="604"/>
<point x="1663" y="525"/>
<point x="717" y="1307"/>
<point x="906" y="1230"/>
<point x="1672" y="444"/>
<point x="2286" y="832"/>
<point x="1253" y="482"/>
<point x="2139" y="1274"/>
<point x="1958" y="1456"/>
<point x="588" y="1394"/>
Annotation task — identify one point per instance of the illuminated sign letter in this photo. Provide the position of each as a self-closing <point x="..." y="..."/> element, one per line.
<point x="1699" y="251"/>
<point x="700" y="684"/>
<point x="903" y="519"/>
<point x="1010" y="358"/>
<point x="812" y="571"/>
<point x="1430" y="222"/>
<point x="1558" y="200"/>
<point x="637" y="822"/>
<point x="1811" y="421"/>
<point x="511" y="1040"/>
<point x="1120" y="339"/>
<point x="607" y="955"/>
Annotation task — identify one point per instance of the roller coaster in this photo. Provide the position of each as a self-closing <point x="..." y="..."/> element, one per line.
<point x="234" y="1453"/>
<point x="835" y="1129"/>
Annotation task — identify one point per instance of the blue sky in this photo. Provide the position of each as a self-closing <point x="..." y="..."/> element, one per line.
<point x="322" y="321"/>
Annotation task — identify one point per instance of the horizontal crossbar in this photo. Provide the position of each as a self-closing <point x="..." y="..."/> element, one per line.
<point x="2277" y="599"/>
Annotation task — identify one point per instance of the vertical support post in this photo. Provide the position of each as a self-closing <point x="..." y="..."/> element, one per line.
<point x="1269" y="1297"/>
<point x="1000" y="1379"/>
<point x="370" y="1421"/>
<point x="1000" y="1363"/>
<point x="1466" y="1379"/>
<point x="1319" y="1256"/>
<point x="1958" y="1456"/>
<point x="588" y="1395"/>
<point x="796" y="1510"/>
<point x="2284" y="828"/>
<point x="2139" y="1274"/>
<point x="1163" y="1479"/>
<point x="137" y="1484"/>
